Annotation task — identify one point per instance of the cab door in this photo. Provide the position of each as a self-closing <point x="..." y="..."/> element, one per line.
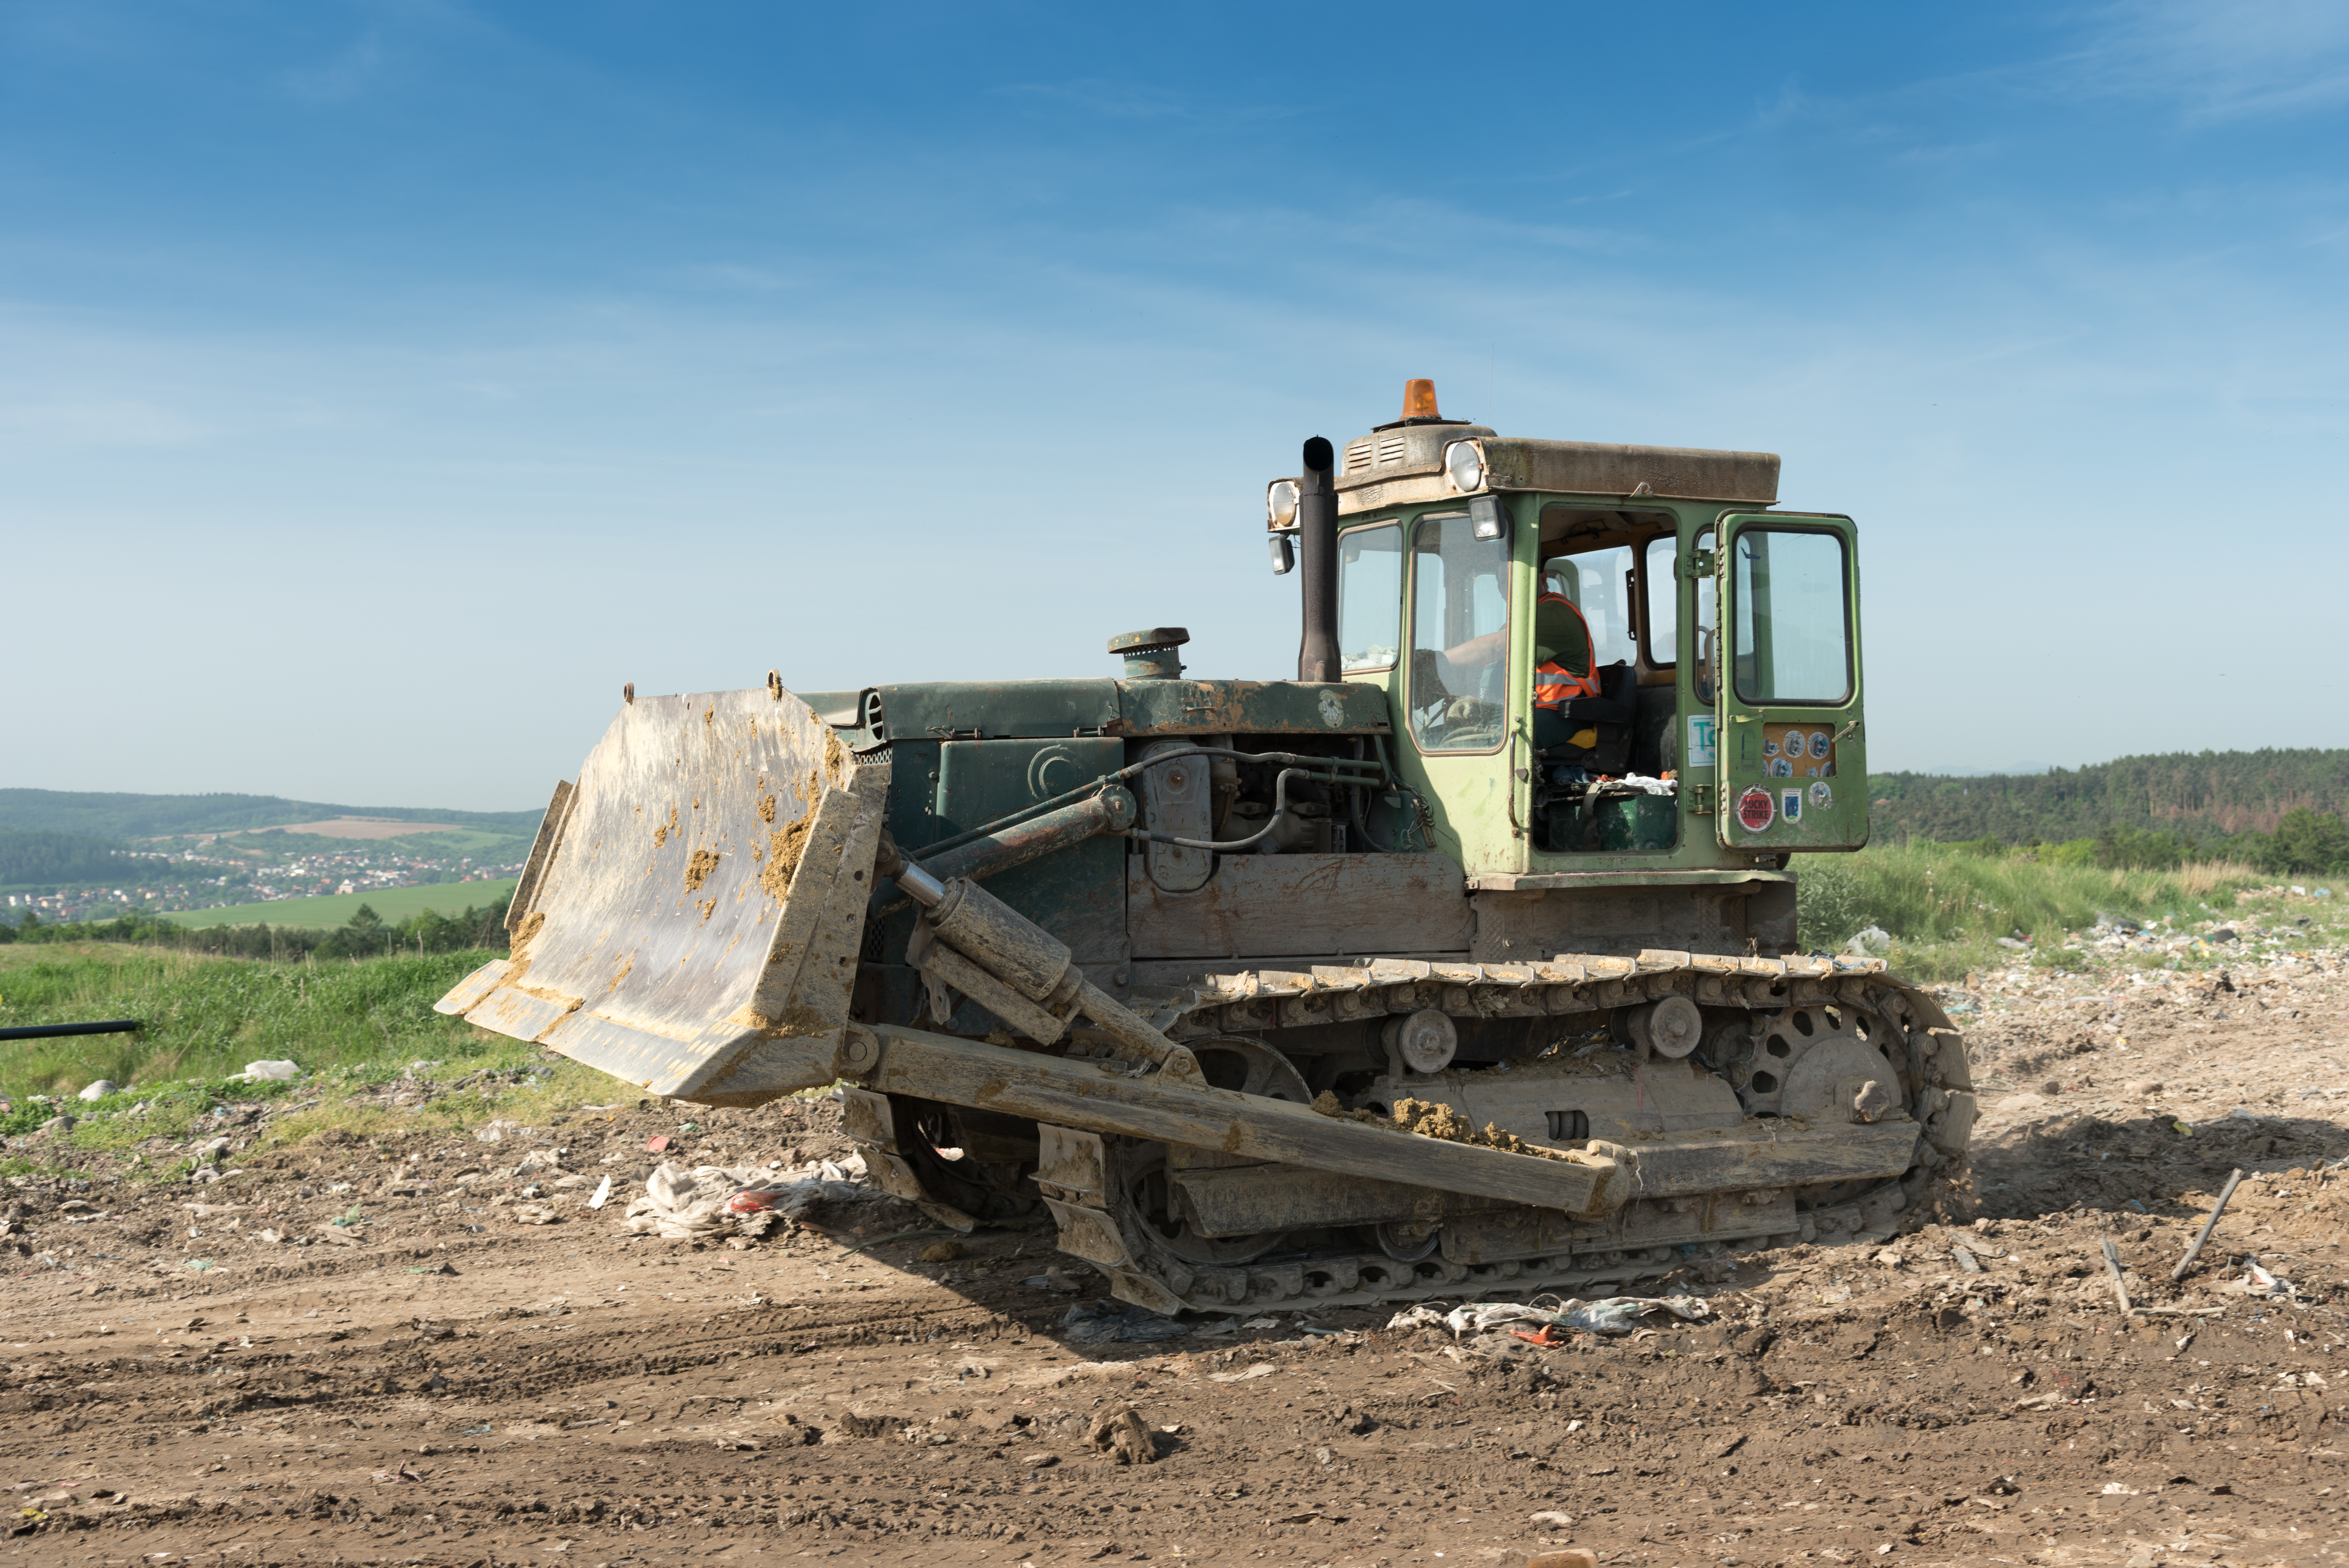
<point x="1793" y="753"/>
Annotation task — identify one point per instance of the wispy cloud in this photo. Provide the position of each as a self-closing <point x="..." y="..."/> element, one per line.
<point x="2232" y="59"/>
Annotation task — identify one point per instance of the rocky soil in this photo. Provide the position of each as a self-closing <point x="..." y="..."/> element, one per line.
<point x="437" y="1381"/>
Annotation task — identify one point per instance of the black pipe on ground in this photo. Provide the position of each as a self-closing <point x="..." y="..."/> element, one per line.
<point x="50" y="1031"/>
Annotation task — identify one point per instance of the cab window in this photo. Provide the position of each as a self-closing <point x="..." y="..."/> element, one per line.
<point x="1660" y="587"/>
<point x="1369" y="597"/>
<point x="1459" y="635"/>
<point x="1791" y="638"/>
<point x="1599" y="583"/>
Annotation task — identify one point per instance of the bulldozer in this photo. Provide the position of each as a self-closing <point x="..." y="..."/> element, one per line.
<point x="1462" y="964"/>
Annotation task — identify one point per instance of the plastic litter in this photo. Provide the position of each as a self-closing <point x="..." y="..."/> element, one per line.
<point x="603" y="1193"/>
<point x="1869" y="941"/>
<point x="680" y="1204"/>
<point x="1106" y="1323"/>
<point x="1613" y="1315"/>
<point x="99" y="1090"/>
<point x="270" y="1072"/>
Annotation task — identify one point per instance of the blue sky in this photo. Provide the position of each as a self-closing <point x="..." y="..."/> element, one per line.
<point x="382" y="385"/>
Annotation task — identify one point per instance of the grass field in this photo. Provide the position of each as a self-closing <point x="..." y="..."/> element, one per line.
<point x="205" y="1018"/>
<point x="335" y="909"/>
<point x="1946" y="905"/>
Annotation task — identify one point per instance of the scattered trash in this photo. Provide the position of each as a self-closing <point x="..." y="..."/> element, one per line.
<point x="1108" y="1323"/>
<point x="100" y="1088"/>
<point x="659" y="1144"/>
<point x="715" y="1200"/>
<point x="1872" y="942"/>
<point x="534" y="1213"/>
<point x="270" y="1072"/>
<point x="202" y="1265"/>
<point x="1261" y="1370"/>
<point x="2258" y="1280"/>
<point x="1057" y="1280"/>
<point x="603" y="1193"/>
<point x="1612" y="1315"/>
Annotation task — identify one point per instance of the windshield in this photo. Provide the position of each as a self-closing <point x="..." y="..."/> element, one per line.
<point x="1459" y="635"/>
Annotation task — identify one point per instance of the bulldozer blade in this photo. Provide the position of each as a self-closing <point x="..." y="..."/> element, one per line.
<point x="690" y="915"/>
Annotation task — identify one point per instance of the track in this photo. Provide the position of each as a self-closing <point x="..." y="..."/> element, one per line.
<point x="1780" y="1012"/>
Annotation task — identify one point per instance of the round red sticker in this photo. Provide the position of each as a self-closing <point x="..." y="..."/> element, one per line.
<point x="1755" y="809"/>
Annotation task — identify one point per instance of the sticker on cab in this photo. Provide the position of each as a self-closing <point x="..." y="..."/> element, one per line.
<point x="1822" y="798"/>
<point x="1790" y="805"/>
<point x="1820" y="741"/>
<point x="1755" y="809"/>
<point x="1769" y="745"/>
<point x="1700" y="741"/>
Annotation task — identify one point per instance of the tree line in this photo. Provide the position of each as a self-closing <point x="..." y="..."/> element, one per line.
<point x="2281" y="812"/>
<point x="366" y="934"/>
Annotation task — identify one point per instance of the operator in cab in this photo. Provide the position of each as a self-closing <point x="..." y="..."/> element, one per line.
<point x="1562" y="666"/>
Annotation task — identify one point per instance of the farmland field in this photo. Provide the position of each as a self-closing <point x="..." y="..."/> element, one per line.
<point x="394" y="904"/>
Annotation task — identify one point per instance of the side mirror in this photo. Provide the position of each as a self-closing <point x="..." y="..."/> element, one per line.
<point x="1284" y="554"/>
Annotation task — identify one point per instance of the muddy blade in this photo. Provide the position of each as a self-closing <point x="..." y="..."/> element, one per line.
<point x="694" y="904"/>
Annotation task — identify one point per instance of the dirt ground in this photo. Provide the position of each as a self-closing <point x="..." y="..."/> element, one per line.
<point x="450" y="1386"/>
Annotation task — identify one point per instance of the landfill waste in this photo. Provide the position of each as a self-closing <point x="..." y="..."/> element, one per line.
<point x="1613" y="1315"/>
<point x="270" y="1072"/>
<point x="1106" y="1323"/>
<point x="603" y="1193"/>
<point x="709" y="1200"/>
<point x="100" y="1088"/>
<point x="1871" y="941"/>
<point x="2257" y="1281"/>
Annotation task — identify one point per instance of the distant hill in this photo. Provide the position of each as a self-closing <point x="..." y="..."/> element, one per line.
<point x="2201" y="796"/>
<point x="108" y="816"/>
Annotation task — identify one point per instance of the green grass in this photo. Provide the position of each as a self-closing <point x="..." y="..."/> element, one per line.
<point x="207" y="1017"/>
<point x="1947" y="904"/>
<point x="394" y="904"/>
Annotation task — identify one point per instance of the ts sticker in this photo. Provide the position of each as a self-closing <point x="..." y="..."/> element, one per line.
<point x="1820" y="741"/>
<point x="1822" y="798"/>
<point x="1790" y="805"/>
<point x="1769" y="746"/>
<point x="1755" y="810"/>
<point x="1700" y="740"/>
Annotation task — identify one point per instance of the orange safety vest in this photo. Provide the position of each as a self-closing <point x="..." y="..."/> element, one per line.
<point x="1555" y="686"/>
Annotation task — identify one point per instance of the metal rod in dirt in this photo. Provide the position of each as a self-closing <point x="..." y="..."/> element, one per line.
<point x="45" y="1031"/>
<point x="2208" y="1225"/>
<point x="2112" y="1267"/>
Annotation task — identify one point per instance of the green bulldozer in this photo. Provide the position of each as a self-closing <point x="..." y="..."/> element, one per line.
<point x="1464" y="964"/>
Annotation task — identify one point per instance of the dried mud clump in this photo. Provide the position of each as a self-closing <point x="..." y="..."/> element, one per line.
<point x="697" y="870"/>
<point x="767" y="808"/>
<point x="528" y="928"/>
<point x="783" y="851"/>
<point x="834" y="760"/>
<point x="1429" y="1120"/>
<point x="661" y="833"/>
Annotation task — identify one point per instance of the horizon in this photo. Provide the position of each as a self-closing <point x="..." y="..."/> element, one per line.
<point x="384" y="385"/>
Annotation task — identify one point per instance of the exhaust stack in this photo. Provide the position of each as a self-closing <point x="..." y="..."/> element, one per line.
<point x="1317" y="536"/>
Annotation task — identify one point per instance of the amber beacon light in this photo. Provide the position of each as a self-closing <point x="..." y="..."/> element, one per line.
<point x="1419" y="401"/>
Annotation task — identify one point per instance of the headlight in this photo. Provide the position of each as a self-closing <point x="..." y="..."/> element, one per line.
<point x="1464" y="465"/>
<point x="1280" y="503"/>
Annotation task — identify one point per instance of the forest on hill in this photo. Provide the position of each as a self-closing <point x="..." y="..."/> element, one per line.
<point x="2281" y="811"/>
